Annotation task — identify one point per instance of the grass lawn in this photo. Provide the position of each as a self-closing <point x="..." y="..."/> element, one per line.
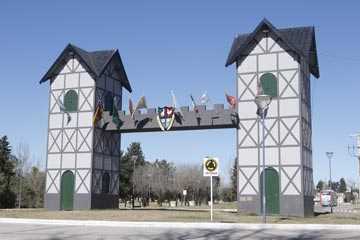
<point x="171" y="215"/>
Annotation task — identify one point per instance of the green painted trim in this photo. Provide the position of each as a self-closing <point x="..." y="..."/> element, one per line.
<point x="71" y="100"/>
<point x="67" y="190"/>
<point x="269" y="84"/>
<point x="272" y="190"/>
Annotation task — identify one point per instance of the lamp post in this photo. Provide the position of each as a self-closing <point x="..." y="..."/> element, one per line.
<point x="329" y="156"/>
<point x="133" y="158"/>
<point x="262" y="102"/>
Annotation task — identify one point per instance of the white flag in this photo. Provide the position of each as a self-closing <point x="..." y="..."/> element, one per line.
<point x="175" y="105"/>
<point x="204" y="99"/>
<point x="140" y="105"/>
<point x="62" y="108"/>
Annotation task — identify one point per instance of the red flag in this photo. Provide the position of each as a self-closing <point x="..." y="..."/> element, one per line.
<point x="131" y="107"/>
<point x="98" y="113"/>
<point x="231" y="100"/>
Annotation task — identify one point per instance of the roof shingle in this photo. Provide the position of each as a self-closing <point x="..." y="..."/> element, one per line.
<point x="299" y="39"/>
<point x="95" y="61"/>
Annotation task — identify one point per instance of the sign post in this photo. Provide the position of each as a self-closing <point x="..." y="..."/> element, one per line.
<point x="210" y="169"/>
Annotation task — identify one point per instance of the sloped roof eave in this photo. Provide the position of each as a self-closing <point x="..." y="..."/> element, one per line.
<point x="241" y="44"/>
<point x="89" y="63"/>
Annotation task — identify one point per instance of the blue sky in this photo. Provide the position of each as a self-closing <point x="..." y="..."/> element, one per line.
<point x="180" y="46"/>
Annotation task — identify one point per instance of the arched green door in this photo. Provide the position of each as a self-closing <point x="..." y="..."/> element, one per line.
<point x="272" y="191"/>
<point x="67" y="190"/>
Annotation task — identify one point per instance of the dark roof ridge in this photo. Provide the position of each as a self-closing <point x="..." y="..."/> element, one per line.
<point x="300" y="39"/>
<point x="95" y="61"/>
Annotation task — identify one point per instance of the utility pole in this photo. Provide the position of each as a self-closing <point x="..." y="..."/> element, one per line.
<point x="354" y="151"/>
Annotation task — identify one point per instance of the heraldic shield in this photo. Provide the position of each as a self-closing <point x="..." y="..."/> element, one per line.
<point x="165" y="117"/>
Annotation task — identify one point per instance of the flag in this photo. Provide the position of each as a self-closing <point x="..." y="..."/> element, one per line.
<point x="104" y="126"/>
<point x="140" y="105"/>
<point x="262" y="113"/>
<point x="62" y="108"/>
<point x="204" y="99"/>
<point x="177" y="109"/>
<point x="98" y="113"/>
<point x="193" y="103"/>
<point x="231" y="100"/>
<point x="115" y="117"/>
<point x="131" y="107"/>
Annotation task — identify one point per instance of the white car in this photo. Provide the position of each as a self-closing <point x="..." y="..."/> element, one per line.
<point x="328" y="198"/>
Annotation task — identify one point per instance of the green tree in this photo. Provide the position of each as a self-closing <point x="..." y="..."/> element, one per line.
<point x="234" y="171"/>
<point x="134" y="154"/>
<point x="7" y="173"/>
<point x="334" y="186"/>
<point x="33" y="188"/>
<point x="320" y="185"/>
<point x="227" y="194"/>
<point x="342" y="186"/>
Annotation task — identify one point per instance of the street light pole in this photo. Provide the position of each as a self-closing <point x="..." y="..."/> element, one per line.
<point x="330" y="155"/>
<point x="263" y="101"/>
<point x="263" y="167"/>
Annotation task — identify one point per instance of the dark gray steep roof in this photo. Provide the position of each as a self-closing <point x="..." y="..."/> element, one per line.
<point x="300" y="40"/>
<point x="95" y="62"/>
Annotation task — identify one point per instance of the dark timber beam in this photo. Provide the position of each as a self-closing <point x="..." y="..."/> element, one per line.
<point x="216" y="118"/>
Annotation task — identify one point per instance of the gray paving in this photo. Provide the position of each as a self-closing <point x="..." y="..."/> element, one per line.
<point x="54" y="232"/>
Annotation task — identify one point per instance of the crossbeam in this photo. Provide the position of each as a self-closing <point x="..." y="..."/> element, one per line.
<point x="216" y="118"/>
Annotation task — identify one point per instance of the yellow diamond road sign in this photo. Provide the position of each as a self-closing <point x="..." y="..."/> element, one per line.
<point x="211" y="166"/>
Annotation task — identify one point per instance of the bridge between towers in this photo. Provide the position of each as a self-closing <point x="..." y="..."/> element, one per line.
<point x="216" y="118"/>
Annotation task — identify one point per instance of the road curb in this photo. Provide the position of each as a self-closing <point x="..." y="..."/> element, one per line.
<point x="193" y="225"/>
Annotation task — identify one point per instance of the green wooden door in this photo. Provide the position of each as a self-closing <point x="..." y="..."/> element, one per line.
<point x="67" y="190"/>
<point x="272" y="191"/>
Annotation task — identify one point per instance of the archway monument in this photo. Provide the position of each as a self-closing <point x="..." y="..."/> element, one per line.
<point x="280" y="61"/>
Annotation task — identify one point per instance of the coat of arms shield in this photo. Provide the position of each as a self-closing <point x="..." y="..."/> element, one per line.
<point x="165" y="117"/>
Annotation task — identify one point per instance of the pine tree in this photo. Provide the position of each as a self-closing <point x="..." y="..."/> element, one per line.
<point x="7" y="173"/>
<point x="320" y="185"/>
<point x="133" y="152"/>
<point x="342" y="187"/>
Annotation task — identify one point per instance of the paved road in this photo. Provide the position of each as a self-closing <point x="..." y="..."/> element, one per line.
<point x="55" y="232"/>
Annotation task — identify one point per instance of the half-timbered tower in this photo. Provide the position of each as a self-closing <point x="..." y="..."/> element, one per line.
<point x="82" y="170"/>
<point x="281" y="62"/>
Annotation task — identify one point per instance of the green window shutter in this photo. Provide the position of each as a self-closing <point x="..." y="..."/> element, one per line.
<point x="105" y="183"/>
<point x="269" y="84"/>
<point x="71" y="101"/>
